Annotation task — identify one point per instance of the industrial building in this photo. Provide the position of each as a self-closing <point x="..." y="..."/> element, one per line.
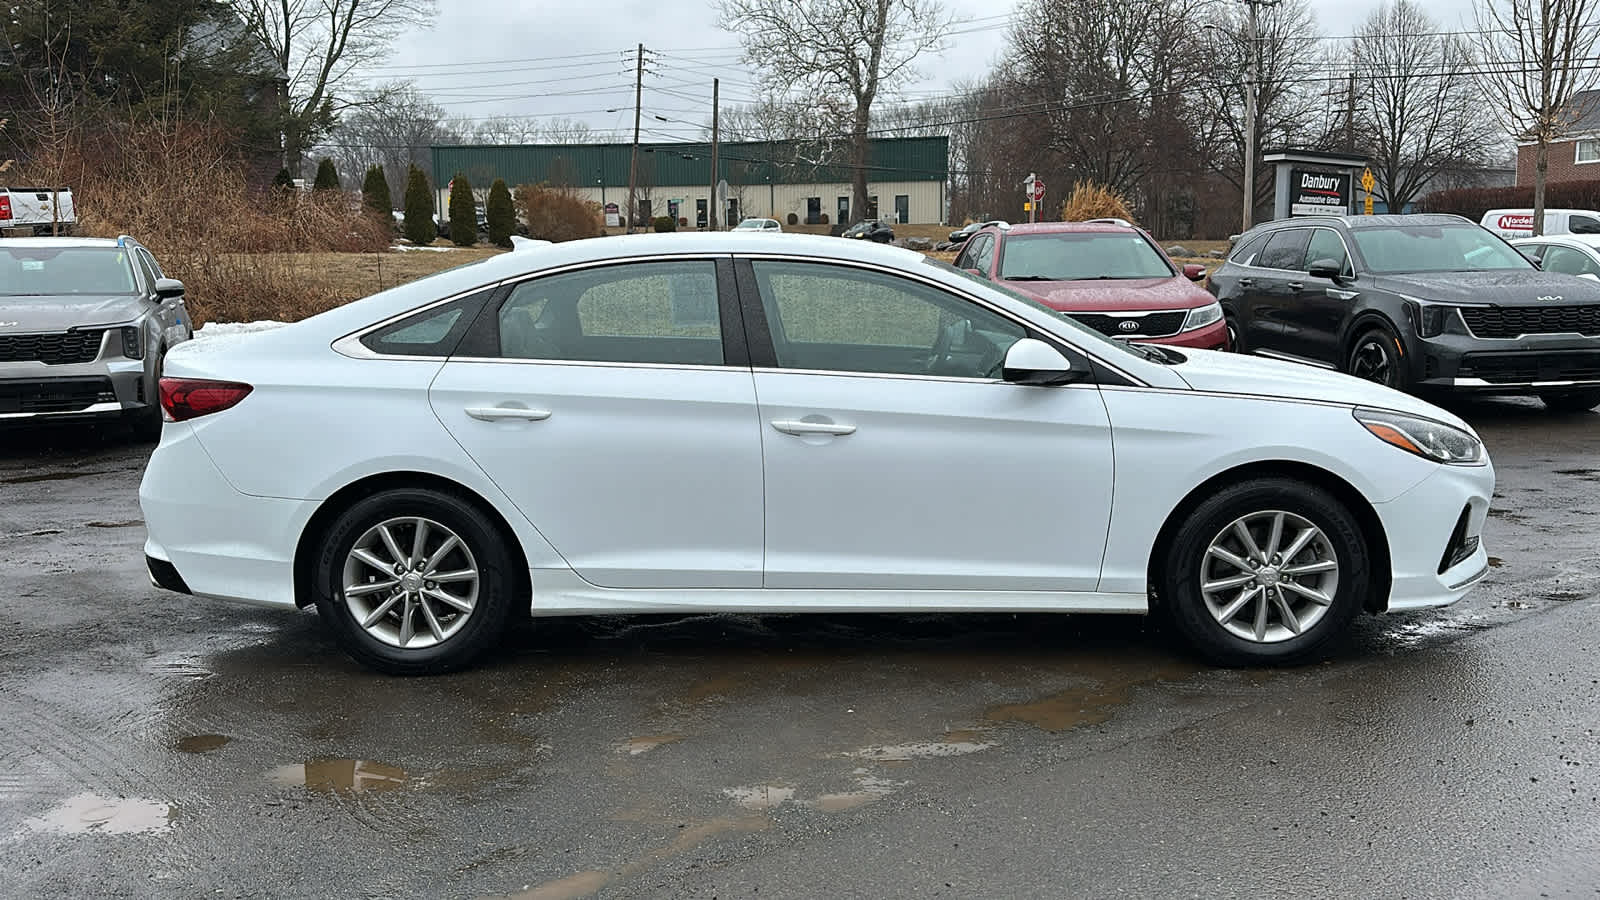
<point x="906" y="178"/>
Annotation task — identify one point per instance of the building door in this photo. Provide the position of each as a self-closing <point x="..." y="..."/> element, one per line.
<point x="700" y="213"/>
<point x="733" y="213"/>
<point x="813" y="210"/>
<point x="902" y="209"/>
<point x="872" y="207"/>
<point x="844" y="211"/>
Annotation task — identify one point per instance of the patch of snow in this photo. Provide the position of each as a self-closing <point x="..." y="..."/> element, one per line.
<point x="407" y="248"/>
<point x="221" y="329"/>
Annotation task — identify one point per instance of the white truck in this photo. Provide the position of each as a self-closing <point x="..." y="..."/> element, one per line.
<point x="1518" y="223"/>
<point x="37" y="210"/>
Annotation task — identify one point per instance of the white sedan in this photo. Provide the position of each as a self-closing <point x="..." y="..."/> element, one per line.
<point x="714" y="423"/>
<point x="770" y="226"/>
<point x="1570" y="254"/>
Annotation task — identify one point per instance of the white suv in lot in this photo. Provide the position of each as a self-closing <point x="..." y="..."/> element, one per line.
<point x="715" y="422"/>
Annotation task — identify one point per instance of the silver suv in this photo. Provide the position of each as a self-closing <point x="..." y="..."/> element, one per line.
<point x="84" y="325"/>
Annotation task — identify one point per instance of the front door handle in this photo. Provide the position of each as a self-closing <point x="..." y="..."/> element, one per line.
<point x="1294" y="286"/>
<point x="1246" y="282"/>
<point x="796" y="426"/>
<point x="497" y="413"/>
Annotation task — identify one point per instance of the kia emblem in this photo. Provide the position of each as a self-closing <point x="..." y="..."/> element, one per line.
<point x="1128" y="325"/>
<point x="1548" y="299"/>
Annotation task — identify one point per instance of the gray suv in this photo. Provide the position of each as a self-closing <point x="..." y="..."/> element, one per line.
<point x="84" y="325"/>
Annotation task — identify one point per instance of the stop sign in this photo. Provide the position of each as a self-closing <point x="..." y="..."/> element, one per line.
<point x="1038" y="190"/>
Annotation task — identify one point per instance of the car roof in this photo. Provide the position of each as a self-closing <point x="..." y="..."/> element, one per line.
<point x="60" y="242"/>
<point x="1106" y="227"/>
<point x="1591" y="241"/>
<point x="1529" y="211"/>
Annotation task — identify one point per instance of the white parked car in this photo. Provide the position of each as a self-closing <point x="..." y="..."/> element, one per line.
<point x="1515" y="223"/>
<point x="1569" y="254"/>
<point x="712" y="422"/>
<point x="767" y="225"/>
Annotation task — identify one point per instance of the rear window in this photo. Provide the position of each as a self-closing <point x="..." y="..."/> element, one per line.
<point x="68" y="271"/>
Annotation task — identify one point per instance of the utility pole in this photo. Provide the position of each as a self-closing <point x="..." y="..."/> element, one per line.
<point x="1350" y="117"/>
<point x="1250" y="115"/>
<point x="633" y="161"/>
<point x="715" y="106"/>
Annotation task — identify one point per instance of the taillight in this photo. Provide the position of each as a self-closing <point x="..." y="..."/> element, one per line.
<point x="190" y="398"/>
<point x="5" y="206"/>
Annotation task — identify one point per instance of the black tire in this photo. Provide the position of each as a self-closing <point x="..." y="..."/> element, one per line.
<point x="497" y="586"/>
<point x="1185" y="605"/>
<point x="1375" y="356"/>
<point x="1571" y="401"/>
<point x="146" y="422"/>
<point x="1235" y="333"/>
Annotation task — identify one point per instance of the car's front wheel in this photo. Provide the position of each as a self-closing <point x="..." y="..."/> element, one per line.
<point x="415" y="582"/>
<point x="1570" y="401"/>
<point x="1375" y="356"/>
<point x="1271" y="570"/>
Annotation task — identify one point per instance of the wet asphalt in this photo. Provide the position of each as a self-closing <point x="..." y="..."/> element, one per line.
<point x="153" y="745"/>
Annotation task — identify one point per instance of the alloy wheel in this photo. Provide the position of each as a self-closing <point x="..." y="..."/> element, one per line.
<point x="410" y="582"/>
<point x="1269" y="576"/>
<point x="1371" y="360"/>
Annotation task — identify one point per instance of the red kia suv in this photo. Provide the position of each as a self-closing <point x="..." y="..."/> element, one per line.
<point x="1106" y="274"/>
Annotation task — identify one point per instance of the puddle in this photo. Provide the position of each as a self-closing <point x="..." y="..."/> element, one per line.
<point x="1495" y="562"/>
<point x="43" y="532"/>
<point x="202" y="743"/>
<point x="339" y="775"/>
<point x="583" y="884"/>
<point x="1090" y="705"/>
<point x="47" y="476"/>
<point x="760" y="796"/>
<point x="90" y="814"/>
<point x="646" y="743"/>
<point x="181" y="668"/>
<point x="133" y="524"/>
<point x="920" y="750"/>
<point x="845" y="801"/>
<point x="711" y="687"/>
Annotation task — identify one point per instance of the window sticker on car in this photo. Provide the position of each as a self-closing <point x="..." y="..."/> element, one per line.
<point x="32" y="265"/>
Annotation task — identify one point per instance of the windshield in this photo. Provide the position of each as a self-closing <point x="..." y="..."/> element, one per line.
<point x="43" y="271"/>
<point x="1092" y="337"/>
<point x="1406" y="249"/>
<point x="1081" y="256"/>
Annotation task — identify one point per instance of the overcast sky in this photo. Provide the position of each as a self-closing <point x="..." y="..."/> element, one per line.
<point x="481" y="60"/>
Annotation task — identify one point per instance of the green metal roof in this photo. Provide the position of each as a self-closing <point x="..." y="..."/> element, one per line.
<point x="672" y="164"/>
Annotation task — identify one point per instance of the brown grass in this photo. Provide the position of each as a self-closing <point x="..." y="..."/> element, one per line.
<point x="1089" y="200"/>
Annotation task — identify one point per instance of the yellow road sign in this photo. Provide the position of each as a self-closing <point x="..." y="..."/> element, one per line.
<point x="1368" y="205"/>
<point x="1367" y="181"/>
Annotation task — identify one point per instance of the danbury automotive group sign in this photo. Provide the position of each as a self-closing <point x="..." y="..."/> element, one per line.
<point x="1318" y="193"/>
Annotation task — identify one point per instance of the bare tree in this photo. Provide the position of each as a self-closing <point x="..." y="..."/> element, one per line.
<point x="1286" y="84"/>
<point x="318" y="44"/>
<point x="393" y="127"/>
<point x="850" y="50"/>
<point x="1421" y="117"/>
<point x="1537" y="56"/>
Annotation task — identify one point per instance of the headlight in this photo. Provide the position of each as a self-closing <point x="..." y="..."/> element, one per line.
<point x="132" y="342"/>
<point x="1426" y="438"/>
<point x="1429" y="318"/>
<point x="1201" y="316"/>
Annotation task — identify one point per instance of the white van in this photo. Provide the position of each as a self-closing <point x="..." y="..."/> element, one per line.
<point x="40" y="210"/>
<point x="1518" y="223"/>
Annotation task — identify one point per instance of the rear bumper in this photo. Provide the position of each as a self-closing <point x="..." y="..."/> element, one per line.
<point x="1422" y="525"/>
<point x="207" y="539"/>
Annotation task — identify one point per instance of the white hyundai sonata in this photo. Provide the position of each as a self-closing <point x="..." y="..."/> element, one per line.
<point x="714" y="423"/>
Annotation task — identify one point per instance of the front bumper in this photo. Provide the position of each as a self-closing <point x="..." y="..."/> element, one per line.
<point x="1207" y="337"/>
<point x="1435" y="532"/>
<point x="1530" y="364"/>
<point x="103" y="387"/>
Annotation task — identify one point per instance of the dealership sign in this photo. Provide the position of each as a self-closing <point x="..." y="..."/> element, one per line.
<point x="1318" y="193"/>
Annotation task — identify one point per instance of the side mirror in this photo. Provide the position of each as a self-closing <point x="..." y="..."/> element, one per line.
<point x="1194" y="271"/>
<point x="167" y="288"/>
<point x="1033" y="362"/>
<point x="1326" y="268"/>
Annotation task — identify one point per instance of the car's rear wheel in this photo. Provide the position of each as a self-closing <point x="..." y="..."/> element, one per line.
<point x="1570" y="401"/>
<point x="1235" y="342"/>
<point x="1375" y="356"/>
<point x="1271" y="570"/>
<point x="415" y="582"/>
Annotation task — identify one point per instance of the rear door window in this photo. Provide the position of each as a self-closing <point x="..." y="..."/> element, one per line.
<point x="1569" y="261"/>
<point x="1286" y="250"/>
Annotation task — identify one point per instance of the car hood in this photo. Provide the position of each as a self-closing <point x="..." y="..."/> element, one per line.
<point x="1173" y="292"/>
<point x="1514" y="287"/>
<point x="1233" y="373"/>
<point x="26" y="314"/>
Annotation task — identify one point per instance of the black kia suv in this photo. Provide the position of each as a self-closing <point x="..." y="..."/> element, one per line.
<point x="1416" y="302"/>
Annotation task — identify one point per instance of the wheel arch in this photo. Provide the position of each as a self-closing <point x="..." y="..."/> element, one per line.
<point x="1363" y="322"/>
<point x="339" y="501"/>
<point x="1346" y="493"/>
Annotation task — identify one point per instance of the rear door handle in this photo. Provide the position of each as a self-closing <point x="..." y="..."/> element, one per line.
<point x="795" y="426"/>
<point x="1294" y="286"/>
<point x="497" y="413"/>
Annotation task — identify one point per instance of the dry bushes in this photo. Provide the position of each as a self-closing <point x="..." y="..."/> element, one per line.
<point x="556" y="215"/>
<point x="1089" y="200"/>
<point x="181" y="190"/>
